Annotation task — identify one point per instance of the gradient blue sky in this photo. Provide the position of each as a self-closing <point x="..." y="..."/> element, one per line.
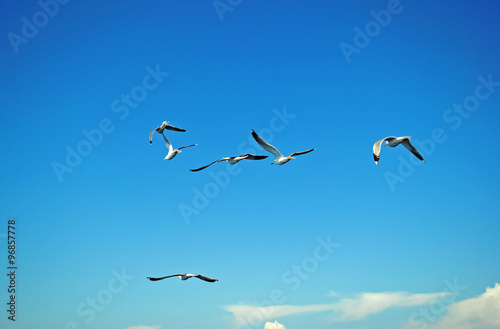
<point x="404" y="231"/>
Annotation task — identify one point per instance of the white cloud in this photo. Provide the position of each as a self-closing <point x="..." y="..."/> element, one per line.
<point x="346" y="309"/>
<point x="248" y="314"/>
<point x="333" y="294"/>
<point x="481" y="312"/>
<point x="145" y="327"/>
<point x="354" y="309"/>
<point x="274" y="325"/>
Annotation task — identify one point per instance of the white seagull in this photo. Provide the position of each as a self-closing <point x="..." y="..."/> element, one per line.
<point x="392" y="142"/>
<point x="234" y="160"/>
<point x="184" y="276"/>
<point x="280" y="159"/>
<point x="161" y="128"/>
<point x="173" y="152"/>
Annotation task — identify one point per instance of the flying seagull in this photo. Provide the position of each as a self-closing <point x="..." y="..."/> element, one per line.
<point x="161" y="128"/>
<point x="392" y="142"/>
<point x="185" y="276"/>
<point x="280" y="159"/>
<point x="173" y="152"/>
<point x="233" y="160"/>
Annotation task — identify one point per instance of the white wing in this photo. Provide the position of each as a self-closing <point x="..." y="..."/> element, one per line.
<point x="376" y="149"/>
<point x="406" y="143"/>
<point x="170" y="148"/>
<point x="266" y="146"/>
<point x="151" y="136"/>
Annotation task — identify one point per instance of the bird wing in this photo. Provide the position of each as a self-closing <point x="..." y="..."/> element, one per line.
<point x="208" y="165"/>
<point x="182" y="147"/>
<point x="249" y="156"/>
<point x="170" y="127"/>
<point x="406" y="143"/>
<point x="169" y="146"/>
<point x="303" y="152"/>
<point x="163" y="277"/>
<point x="151" y="136"/>
<point x="199" y="276"/>
<point x="266" y="146"/>
<point x="376" y="149"/>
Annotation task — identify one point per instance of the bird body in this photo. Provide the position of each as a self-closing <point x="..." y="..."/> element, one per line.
<point x="234" y="160"/>
<point x="173" y="152"/>
<point x="184" y="277"/>
<point x="280" y="158"/>
<point x="393" y="142"/>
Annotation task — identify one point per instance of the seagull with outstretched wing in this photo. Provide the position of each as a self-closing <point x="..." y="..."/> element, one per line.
<point x="161" y="128"/>
<point x="393" y="142"/>
<point x="173" y="152"/>
<point x="184" y="276"/>
<point x="234" y="160"/>
<point x="280" y="158"/>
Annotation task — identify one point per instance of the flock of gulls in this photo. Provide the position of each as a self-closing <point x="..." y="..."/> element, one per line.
<point x="280" y="160"/>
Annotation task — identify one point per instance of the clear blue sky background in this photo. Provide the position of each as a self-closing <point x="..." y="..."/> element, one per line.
<point x="401" y="228"/>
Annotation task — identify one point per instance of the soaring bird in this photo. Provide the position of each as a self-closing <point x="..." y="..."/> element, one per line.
<point x="185" y="276"/>
<point x="233" y="160"/>
<point x="280" y="158"/>
<point x="392" y="142"/>
<point x="161" y="128"/>
<point x="173" y="152"/>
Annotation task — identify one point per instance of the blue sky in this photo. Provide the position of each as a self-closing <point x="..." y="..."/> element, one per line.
<point x="328" y="240"/>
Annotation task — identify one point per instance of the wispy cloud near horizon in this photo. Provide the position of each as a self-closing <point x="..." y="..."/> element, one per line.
<point x="346" y="309"/>
<point x="480" y="312"/>
<point x="364" y="304"/>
